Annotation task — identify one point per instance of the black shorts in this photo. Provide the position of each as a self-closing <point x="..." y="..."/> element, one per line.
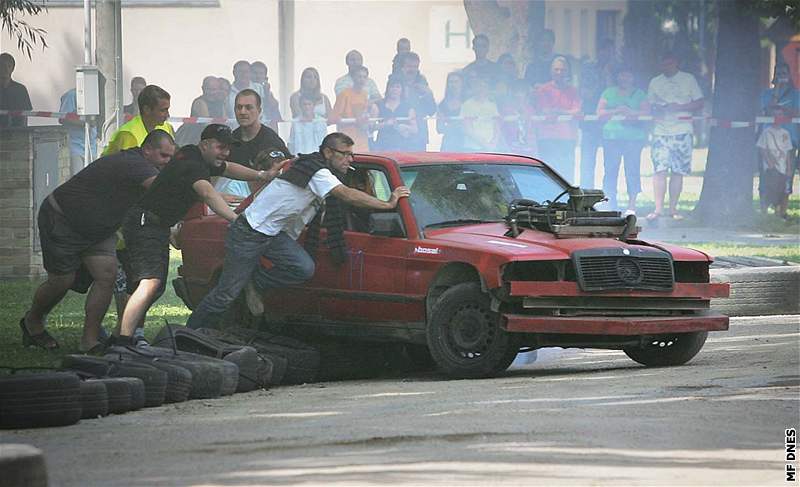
<point x="147" y="248"/>
<point x="63" y="249"/>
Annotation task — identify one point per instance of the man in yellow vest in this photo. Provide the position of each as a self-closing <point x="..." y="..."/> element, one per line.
<point x="153" y="104"/>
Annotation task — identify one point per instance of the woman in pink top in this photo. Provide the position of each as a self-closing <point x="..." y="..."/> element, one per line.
<point x="557" y="139"/>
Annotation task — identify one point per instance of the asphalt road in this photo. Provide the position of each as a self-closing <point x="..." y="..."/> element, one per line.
<point x="581" y="418"/>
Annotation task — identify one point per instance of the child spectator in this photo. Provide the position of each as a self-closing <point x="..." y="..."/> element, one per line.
<point x="775" y="146"/>
<point x="308" y="129"/>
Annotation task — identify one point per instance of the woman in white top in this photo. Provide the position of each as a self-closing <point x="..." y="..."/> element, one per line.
<point x="310" y="87"/>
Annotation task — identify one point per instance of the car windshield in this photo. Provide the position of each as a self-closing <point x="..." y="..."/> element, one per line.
<point x="453" y="194"/>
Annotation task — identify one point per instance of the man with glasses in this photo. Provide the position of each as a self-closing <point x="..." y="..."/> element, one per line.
<point x="270" y="226"/>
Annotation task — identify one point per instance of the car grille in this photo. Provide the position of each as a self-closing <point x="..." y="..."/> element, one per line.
<point x="608" y="269"/>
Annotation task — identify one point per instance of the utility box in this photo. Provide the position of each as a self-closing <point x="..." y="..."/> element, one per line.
<point x="87" y="90"/>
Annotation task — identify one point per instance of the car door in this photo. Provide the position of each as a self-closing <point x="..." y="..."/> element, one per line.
<point x="369" y="287"/>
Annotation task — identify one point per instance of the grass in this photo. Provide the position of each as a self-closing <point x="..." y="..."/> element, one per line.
<point x="786" y="253"/>
<point x="66" y="320"/>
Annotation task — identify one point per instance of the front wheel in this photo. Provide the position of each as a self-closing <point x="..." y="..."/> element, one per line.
<point x="464" y="334"/>
<point x="664" y="350"/>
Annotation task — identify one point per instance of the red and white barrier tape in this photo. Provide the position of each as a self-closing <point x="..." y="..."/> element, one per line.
<point x="534" y="118"/>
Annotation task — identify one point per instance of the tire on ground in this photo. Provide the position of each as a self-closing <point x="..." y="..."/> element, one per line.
<point x="94" y="399"/>
<point x="155" y="381"/>
<point x="40" y="399"/>
<point x="302" y="359"/>
<point x="464" y="335"/>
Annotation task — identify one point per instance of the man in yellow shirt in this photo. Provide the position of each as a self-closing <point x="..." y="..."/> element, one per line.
<point x="153" y="104"/>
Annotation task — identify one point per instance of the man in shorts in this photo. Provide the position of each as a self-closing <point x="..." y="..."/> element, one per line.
<point x="184" y="181"/>
<point x="672" y="94"/>
<point x="77" y="229"/>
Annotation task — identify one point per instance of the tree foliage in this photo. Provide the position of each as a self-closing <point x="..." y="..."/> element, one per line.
<point x="11" y="21"/>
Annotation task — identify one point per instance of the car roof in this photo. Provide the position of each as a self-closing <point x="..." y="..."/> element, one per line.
<point x="416" y="158"/>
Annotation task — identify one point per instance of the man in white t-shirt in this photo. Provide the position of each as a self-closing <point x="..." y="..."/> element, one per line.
<point x="673" y="95"/>
<point x="270" y="227"/>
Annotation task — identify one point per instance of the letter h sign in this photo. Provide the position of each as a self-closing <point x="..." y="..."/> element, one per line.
<point x="448" y="34"/>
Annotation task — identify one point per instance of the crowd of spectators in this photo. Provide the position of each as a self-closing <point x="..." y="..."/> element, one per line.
<point x="488" y="106"/>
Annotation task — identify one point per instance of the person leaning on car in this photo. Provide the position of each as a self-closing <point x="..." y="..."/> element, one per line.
<point x="182" y="182"/>
<point x="270" y="226"/>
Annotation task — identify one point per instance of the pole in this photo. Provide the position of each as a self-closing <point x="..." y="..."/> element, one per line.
<point x="87" y="60"/>
<point x="286" y="48"/>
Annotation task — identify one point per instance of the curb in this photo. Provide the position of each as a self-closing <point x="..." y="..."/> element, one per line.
<point x="759" y="291"/>
<point x="22" y="466"/>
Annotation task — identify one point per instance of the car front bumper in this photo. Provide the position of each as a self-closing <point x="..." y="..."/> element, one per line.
<point x="613" y="325"/>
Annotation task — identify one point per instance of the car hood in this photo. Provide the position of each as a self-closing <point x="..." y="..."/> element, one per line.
<point x="534" y="244"/>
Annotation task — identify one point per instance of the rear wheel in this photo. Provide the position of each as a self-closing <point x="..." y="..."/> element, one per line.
<point x="663" y="350"/>
<point x="464" y="334"/>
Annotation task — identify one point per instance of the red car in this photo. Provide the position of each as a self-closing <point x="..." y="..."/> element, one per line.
<point x="491" y="254"/>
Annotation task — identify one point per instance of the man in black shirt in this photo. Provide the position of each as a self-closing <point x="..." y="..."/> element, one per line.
<point x="77" y="226"/>
<point x="183" y="181"/>
<point x="13" y="95"/>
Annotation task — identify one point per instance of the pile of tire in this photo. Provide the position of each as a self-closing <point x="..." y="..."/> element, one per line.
<point x="269" y="359"/>
<point x="192" y="364"/>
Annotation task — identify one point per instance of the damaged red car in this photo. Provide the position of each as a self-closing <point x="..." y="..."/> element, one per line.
<point x="491" y="254"/>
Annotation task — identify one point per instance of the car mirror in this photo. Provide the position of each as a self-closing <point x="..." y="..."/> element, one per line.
<point x="386" y="225"/>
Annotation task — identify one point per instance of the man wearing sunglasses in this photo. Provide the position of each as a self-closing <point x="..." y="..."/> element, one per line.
<point x="270" y="226"/>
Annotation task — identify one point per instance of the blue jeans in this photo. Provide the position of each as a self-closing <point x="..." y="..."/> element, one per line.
<point x="615" y="151"/>
<point x="244" y="247"/>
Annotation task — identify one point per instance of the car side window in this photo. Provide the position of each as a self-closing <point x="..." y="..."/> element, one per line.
<point x="373" y="182"/>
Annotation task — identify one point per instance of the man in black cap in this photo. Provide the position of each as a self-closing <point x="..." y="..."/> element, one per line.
<point x="183" y="181"/>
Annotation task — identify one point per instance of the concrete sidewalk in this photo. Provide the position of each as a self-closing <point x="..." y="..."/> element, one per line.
<point x="680" y="233"/>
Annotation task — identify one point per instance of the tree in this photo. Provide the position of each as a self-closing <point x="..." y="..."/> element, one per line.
<point x="27" y="36"/>
<point x="727" y="194"/>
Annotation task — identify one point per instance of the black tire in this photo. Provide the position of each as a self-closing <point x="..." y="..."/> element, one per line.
<point x="302" y="359"/>
<point x="464" y="335"/>
<point x="246" y="358"/>
<point x="38" y="400"/>
<point x="227" y="373"/>
<point x="179" y="379"/>
<point x="665" y="350"/>
<point x="138" y="392"/>
<point x="22" y="466"/>
<point x="155" y="381"/>
<point x="119" y="393"/>
<point x="94" y="399"/>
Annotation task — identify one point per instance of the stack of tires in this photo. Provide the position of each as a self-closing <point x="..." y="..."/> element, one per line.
<point x="190" y="365"/>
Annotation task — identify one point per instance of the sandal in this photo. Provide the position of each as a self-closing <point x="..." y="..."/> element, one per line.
<point x="653" y="216"/>
<point x="42" y="340"/>
<point x="677" y="216"/>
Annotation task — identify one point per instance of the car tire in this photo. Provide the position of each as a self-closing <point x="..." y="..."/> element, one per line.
<point x="119" y="391"/>
<point x="179" y="379"/>
<point x="464" y="335"/>
<point x="246" y="358"/>
<point x="155" y="381"/>
<point x="666" y="350"/>
<point x="221" y="380"/>
<point x="38" y="400"/>
<point x="302" y="360"/>
<point x="94" y="399"/>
